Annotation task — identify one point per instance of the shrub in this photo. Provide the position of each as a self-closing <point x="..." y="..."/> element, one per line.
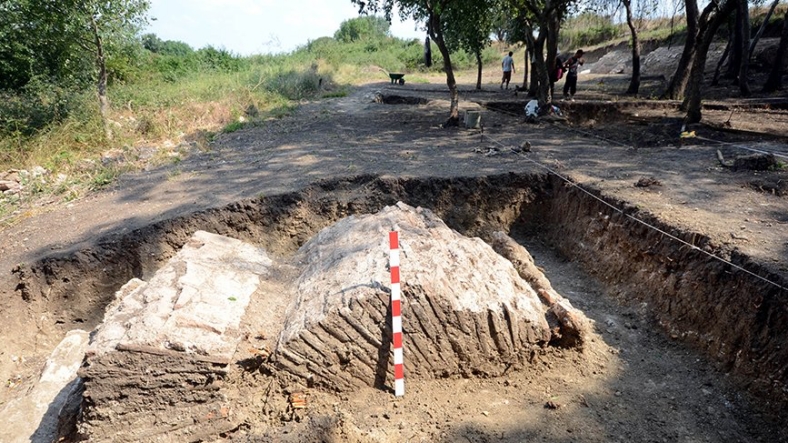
<point x="39" y="104"/>
<point x="589" y="29"/>
<point x="292" y="83"/>
<point x="222" y="60"/>
<point x="362" y="28"/>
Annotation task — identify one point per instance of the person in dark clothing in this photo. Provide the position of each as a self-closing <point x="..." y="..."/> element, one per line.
<point x="572" y="65"/>
<point x="557" y="74"/>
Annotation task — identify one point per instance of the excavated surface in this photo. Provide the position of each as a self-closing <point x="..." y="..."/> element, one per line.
<point x="672" y="359"/>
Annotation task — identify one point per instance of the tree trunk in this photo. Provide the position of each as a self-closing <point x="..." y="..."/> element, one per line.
<point x="531" y="42"/>
<point x="525" y="68"/>
<point x="540" y="69"/>
<point x="678" y="83"/>
<point x="744" y="61"/>
<point x="775" y="80"/>
<point x="553" y="28"/>
<point x="718" y="70"/>
<point x="533" y="88"/>
<point x="736" y="52"/>
<point x="479" y="74"/>
<point x="634" y="83"/>
<point x="104" y="107"/>
<point x="758" y="34"/>
<point x="437" y="36"/>
<point x="710" y="21"/>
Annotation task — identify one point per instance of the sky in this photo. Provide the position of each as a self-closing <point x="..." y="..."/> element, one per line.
<point x="248" y="27"/>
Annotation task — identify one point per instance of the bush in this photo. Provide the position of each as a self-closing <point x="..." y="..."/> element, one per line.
<point x="212" y="59"/>
<point x="292" y="83"/>
<point x="172" y="68"/>
<point x="363" y="28"/>
<point x="38" y="105"/>
<point x="589" y="29"/>
<point x="166" y="47"/>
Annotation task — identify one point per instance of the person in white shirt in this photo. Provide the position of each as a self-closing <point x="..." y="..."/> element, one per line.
<point x="572" y="66"/>
<point x="508" y="68"/>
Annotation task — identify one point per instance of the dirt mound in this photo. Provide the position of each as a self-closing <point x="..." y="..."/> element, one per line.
<point x="468" y="311"/>
<point x="156" y="365"/>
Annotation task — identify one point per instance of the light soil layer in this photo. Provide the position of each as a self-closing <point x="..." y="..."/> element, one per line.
<point x="59" y="279"/>
<point x="156" y="365"/>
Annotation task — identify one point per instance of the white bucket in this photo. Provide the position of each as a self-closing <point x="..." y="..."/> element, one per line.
<point x="473" y="119"/>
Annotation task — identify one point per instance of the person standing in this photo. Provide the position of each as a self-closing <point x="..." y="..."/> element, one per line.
<point x="572" y="65"/>
<point x="508" y="68"/>
<point x="557" y="74"/>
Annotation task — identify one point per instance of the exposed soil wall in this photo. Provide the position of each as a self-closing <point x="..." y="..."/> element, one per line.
<point x="736" y="318"/>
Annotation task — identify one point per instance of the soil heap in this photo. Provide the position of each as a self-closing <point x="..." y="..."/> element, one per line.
<point x="467" y="310"/>
<point x="156" y="364"/>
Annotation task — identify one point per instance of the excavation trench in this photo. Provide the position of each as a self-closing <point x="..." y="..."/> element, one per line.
<point x="739" y="321"/>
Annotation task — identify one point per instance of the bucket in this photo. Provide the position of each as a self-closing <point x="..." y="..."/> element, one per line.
<point x="473" y="119"/>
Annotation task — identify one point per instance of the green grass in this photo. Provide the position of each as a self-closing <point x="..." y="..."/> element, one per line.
<point x="233" y="126"/>
<point x="335" y="94"/>
<point x="105" y="176"/>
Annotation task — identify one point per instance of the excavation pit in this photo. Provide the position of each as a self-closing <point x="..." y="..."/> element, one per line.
<point x="708" y="308"/>
<point x="394" y="99"/>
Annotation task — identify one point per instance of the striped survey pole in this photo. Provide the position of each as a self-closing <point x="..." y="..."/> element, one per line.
<point x="396" y="315"/>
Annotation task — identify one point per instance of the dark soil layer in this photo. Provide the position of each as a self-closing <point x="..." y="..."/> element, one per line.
<point x="738" y="320"/>
<point x="651" y="123"/>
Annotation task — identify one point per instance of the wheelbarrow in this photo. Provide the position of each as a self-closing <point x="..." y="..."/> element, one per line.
<point x="397" y="78"/>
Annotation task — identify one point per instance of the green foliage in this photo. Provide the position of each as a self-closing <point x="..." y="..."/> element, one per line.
<point x="36" y="39"/>
<point x="171" y="68"/>
<point x="221" y="60"/>
<point x="589" y="29"/>
<point x="57" y="40"/>
<point x="233" y="126"/>
<point x="469" y="27"/>
<point x="154" y="44"/>
<point x="363" y="28"/>
<point x="38" y="104"/>
<point x="172" y="61"/>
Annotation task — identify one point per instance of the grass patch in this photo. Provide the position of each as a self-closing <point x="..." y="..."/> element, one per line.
<point x="335" y="94"/>
<point x="418" y="80"/>
<point x="104" y="177"/>
<point x="233" y="126"/>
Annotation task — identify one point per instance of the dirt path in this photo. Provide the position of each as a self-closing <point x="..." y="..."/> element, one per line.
<point x="641" y="399"/>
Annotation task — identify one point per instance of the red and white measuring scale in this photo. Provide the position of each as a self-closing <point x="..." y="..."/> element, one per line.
<point x="396" y="315"/>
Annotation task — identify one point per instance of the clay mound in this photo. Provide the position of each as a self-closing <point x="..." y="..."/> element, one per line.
<point x="154" y="368"/>
<point x="466" y="311"/>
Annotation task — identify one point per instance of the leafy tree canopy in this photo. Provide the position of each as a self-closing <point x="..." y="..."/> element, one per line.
<point x="56" y="39"/>
<point x="363" y="28"/>
<point x="154" y="44"/>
